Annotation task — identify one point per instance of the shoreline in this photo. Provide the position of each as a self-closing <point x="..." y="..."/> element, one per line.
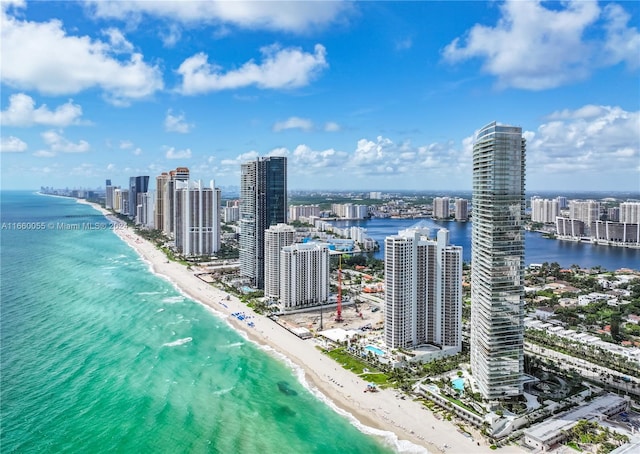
<point x="404" y="424"/>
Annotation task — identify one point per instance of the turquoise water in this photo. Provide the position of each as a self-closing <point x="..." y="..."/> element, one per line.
<point x="375" y="350"/>
<point x="458" y="384"/>
<point x="101" y="355"/>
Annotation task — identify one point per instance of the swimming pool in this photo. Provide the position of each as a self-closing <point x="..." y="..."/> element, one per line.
<point x="458" y="384"/>
<point x="375" y="350"/>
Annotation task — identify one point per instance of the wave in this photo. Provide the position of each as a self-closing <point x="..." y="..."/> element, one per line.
<point x="223" y="391"/>
<point x="173" y="299"/>
<point x="178" y="342"/>
<point x="235" y="344"/>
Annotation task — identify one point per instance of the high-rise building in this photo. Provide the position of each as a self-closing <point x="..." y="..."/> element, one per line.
<point x="169" y="203"/>
<point x="161" y="183"/>
<point x="197" y="218"/>
<point x="441" y="208"/>
<point x="462" y="209"/>
<point x="298" y="211"/>
<point x="497" y="261"/>
<point x="275" y="238"/>
<point x="423" y="290"/>
<point x="137" y="185"/>
<point x="304" y="275"/>
<point x="544" y="210"/>
<point x="145" y="210"/>
<point x="562" y="202"/>
<point x="630" y="212"/>
<point x="587" y="211"/>
<point x="263" y="203"/>
<point x="108" y="195"/>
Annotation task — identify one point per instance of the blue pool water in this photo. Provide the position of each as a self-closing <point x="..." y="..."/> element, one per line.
<point x="375" y="350"/>
<point x="458" y="384"/>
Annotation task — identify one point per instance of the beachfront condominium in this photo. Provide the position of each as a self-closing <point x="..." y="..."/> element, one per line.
<point x="161" y="185"/>
<point x="108" y="195"/>
<point x="441" y="208"/>
<point x="423" y="290"/>
<point x="168" y="199"/>
<point x="137" y="185"/>
<point x="497" y="261"/>
<point x="304" y="275"/>
<point x="197" y="218"/>
<point x="263" y="203"/>
<point x="275" y="238"/>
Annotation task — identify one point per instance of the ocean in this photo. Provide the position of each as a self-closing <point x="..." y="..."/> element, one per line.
<point x="98" y="354"/>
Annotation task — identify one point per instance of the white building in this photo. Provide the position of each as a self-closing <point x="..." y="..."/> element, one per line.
<point x="197" y="218"/>
<point x="587" y="211"/>
<point x="630" y="212"/>
<point x="298" y="211"/>
<point x="423" y="290"/>
<point x="441" y="208"/>
<point x="544" y="210"/>
<point x="145" y="211"/>
<point x="231" y="214"/>
<point x="304" y="275"/>
<point x="275" y="238"/>
<point x="461" y="209"/>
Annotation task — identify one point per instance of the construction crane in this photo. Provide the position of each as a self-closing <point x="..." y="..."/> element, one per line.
<point x="339" y="308"/>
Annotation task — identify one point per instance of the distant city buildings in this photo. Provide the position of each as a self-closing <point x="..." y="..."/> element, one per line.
<point x="303" y="211"/>
<point x="423" y="290"/>
<point x="263" y="203"/>
<point x="497" y="264"/>
<point x="630" y="212"/>
<point x="350" y="210"/>
<point x="587" y="211"/>
<point x="304" y="275"/>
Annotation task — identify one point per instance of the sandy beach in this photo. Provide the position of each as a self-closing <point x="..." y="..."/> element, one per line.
<point x="416" y="429"/>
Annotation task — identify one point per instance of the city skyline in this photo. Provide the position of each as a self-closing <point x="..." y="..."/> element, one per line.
<point x="373" y="95"/>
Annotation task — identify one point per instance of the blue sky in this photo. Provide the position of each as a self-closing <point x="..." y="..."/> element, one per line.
<point x="358" y="95"/>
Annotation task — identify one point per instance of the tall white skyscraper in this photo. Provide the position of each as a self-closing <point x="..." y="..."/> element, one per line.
<point x="587" y="211"/>
<point x="630" y="212"/>
<point x="275" y="238"/>
<point x="304" y="275"/>
<point x="423" y="290"/>
<point x="497" y="261"/>
<point x="197" y="218"/>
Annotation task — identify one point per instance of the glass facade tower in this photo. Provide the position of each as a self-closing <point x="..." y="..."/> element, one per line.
<point x="497" y="261"/>
<point x="263" y="203"/>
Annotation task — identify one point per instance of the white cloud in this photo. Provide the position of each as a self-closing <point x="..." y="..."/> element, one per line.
<point x="57" y="143"/>
<point x="297" y="17"/>
<point x="22" y="112"/>
<point x="44" y="154"/>
<point x="126" y="144"/>
<point x="242" y="158"/>
<point x="536" y="48"/>
<point x="293" y="123"/>
<point x="622" y="43"/>
<point x="12" y="144"/>
<point x="592" y="139"/>
<point x="42" y="56"/>
<point x="280" y="68"/>
<point x="172" y="153"/>
<point x="137" y="151"/>
<point x="171" y="37"/>
<point x="332" y="126"/>
<point x="176" y="123"/>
